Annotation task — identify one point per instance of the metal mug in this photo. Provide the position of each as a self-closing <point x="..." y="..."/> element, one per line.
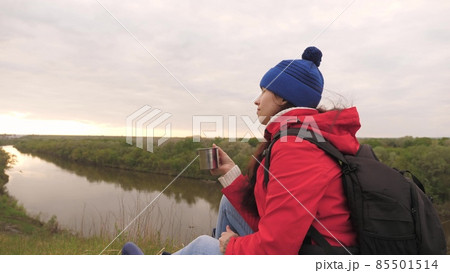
<point x="209" y="158"/>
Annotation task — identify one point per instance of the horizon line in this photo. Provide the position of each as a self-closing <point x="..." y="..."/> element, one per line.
<point x="192" y="136"/>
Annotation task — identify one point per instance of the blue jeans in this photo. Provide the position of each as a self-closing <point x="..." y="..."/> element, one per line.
<point x="131" y="249"/>
<point x="207" y="245"/>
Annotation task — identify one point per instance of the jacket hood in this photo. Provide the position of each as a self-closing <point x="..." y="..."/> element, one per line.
<point x="337" y="126"/>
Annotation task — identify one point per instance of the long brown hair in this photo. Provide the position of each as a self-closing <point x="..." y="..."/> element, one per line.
<point x="249" y="201"/>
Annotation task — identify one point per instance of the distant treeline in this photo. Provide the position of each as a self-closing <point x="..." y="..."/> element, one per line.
<point x="170" y="158"/>
<point x="427" y="158"/>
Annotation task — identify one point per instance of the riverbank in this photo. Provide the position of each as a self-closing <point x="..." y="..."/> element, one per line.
<point x="23" y="234"/>
<point x="169" y="159"/>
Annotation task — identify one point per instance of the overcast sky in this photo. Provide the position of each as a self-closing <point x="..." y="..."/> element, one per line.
<point x="69" y="67"/>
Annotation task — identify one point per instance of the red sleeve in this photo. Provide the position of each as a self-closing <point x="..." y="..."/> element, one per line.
<point x="299" y="180"/>
<point x="235" y="194"/>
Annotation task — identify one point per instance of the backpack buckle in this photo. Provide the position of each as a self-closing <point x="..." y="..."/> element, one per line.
<point x="347" y="169"/>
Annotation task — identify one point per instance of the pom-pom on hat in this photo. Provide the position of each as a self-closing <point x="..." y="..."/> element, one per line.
<point x="297" y="81"/>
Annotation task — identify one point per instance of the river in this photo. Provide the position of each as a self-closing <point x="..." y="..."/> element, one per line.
<point x="97" y="200"/>
<point x="94" y="200"/>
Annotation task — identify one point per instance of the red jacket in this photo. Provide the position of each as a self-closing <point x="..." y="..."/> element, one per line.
<point x="309" y="175"/>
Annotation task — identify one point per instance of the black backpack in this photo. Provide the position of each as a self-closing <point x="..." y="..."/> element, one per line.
<point x="389" y="211"/>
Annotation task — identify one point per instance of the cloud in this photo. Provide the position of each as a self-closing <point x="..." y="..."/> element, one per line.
<point x="70" y="60"/>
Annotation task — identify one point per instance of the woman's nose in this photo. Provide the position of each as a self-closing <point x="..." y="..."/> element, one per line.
<point x="256" y="102"/>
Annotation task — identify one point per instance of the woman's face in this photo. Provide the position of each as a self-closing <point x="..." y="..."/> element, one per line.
<point x="268" y="105"/>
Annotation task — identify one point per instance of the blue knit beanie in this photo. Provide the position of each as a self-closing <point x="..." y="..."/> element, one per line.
<point x="297" y="81"/>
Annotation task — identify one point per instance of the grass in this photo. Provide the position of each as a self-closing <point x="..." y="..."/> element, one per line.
<point x="22" y="234"/>
<point x="43" y="243"/>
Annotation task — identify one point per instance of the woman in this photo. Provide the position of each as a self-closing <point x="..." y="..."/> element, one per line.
<point x="304" y="186"/>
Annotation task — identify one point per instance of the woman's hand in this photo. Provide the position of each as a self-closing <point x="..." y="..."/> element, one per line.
<point x="226" y="163"/>
<point x="225" y="238"/>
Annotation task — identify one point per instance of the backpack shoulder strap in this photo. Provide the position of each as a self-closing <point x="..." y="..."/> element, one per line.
<point x="309" y="136"/>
